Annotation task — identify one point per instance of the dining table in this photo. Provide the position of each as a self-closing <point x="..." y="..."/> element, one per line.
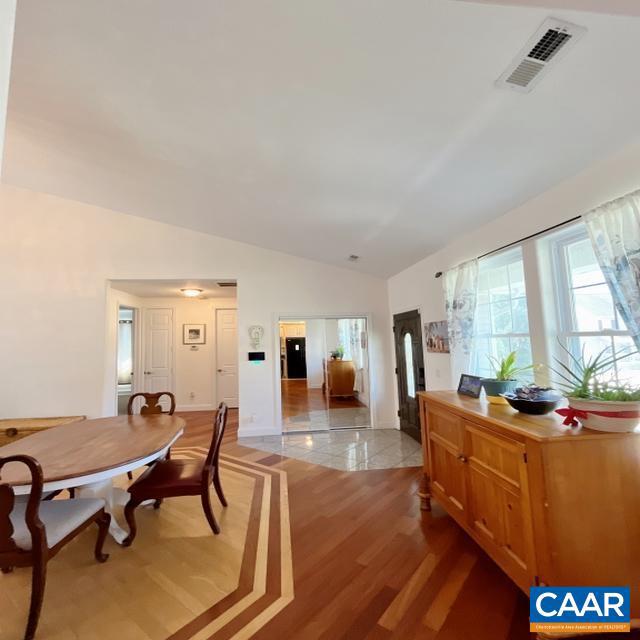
<point x="86" y="456"/>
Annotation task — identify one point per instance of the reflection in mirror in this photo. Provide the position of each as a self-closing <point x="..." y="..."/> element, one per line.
<point x="324" y="366"/>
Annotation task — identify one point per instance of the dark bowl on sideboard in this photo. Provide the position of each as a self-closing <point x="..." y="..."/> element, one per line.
<point x="548" y="403"/>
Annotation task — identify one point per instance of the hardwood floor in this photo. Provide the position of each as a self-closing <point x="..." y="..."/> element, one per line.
<point x="297" y="399"/>
<point x="308" y="553"/>
<point x="367" y="563"/>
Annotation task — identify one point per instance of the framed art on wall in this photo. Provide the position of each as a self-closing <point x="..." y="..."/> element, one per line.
<point x="193" y="334"/>
<point x="437" y="336"/>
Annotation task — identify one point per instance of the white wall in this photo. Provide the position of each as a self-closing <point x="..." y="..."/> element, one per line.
<point x="7" y="24"/>
<point x="57" y="257"/>
<point x="417" y="288"/>
<point x="194" y="370"/>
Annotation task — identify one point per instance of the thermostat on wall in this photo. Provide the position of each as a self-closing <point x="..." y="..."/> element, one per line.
<point x="256" y="356"/>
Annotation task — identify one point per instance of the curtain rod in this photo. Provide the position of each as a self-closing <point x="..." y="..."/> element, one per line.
<point x="533" y="235"/>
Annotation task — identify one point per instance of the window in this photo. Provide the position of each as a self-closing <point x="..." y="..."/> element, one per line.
<point x="502" y="321"/>
<point x="587" y="316"/>
<point x="408" y="359"/>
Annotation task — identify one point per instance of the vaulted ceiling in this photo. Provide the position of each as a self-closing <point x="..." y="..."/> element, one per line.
<point x="321" y="129"/>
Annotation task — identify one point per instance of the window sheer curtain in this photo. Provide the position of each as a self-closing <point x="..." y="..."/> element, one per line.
<point x="614" y="229"/>
<point x="461" y="297"/>
<point x="125" y="363"/>
<point x="351" y="338"/>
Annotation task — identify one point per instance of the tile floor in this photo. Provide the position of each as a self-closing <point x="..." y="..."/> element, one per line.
<point x="348" y="450"/>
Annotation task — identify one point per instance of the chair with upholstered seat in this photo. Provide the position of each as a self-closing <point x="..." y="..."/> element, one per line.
<point x="32" y="531"/>
<point x="151" y="407"/>
<point x="173" y="478"/>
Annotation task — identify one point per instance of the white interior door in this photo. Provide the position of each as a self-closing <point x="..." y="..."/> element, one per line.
<point x="158" y="351"/>
<point x="227" y="356"/>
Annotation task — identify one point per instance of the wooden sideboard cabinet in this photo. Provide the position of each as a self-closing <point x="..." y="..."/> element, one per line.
<point x="339" y="377"/>
<point x="550" y="504"/>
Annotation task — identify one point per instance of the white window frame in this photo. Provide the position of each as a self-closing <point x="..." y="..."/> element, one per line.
<point x="497" y="258"/>
<point x="564" y="305"/>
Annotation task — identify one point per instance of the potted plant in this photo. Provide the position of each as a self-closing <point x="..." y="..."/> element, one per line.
<point x="337" y="353"/>
<point x="505" y="378"/>
<point x="593" y="401"/>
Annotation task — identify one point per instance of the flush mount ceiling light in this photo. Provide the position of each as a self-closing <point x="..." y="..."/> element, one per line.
<point x="191" y="293"/>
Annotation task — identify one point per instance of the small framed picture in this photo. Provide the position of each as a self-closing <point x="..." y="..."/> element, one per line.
<point x="193" y="334"/>
<point x="437" y="336"/>
<point x="470" y="385"/>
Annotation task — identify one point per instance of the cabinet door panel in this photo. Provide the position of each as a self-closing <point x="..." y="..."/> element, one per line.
<point x="448" y="426"/>
<point x="497" y="454"/>
<point x="484" y="501"/>
<point x="447" y="474"/>
<point x="515" y="536"/>
<point x="498" y="499"/>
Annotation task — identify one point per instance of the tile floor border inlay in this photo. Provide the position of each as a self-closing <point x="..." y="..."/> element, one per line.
<point x="266" y="582"/>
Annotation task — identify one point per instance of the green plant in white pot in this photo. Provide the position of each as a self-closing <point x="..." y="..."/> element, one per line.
<point x="593" y="401"/>
<point x="505" y="379"/>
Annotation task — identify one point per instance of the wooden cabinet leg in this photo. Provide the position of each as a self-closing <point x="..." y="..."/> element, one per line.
<point x="424" y="492"/>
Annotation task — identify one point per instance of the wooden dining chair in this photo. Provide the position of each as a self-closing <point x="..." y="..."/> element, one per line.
<point x="152" y="403"/>
<point x="173" y="478"/>
<point x="33" y="531"/>
<point x="150" y="407"/>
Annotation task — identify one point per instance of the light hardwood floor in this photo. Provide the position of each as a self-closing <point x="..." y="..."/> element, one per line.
<point x="366" y="563"/>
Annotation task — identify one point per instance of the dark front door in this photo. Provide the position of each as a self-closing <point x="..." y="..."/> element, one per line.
<point x="296" y="358"/>
<point x="407" y="331"/>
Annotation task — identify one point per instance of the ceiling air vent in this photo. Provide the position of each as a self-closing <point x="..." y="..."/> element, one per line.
<point x="227" y="284"/>
<point x="552" y="40"/>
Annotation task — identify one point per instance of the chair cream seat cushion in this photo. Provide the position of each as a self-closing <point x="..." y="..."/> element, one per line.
<point x="60" y="518"/>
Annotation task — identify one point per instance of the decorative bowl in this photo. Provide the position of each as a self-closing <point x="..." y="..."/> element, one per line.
<point x="547" y="402"/>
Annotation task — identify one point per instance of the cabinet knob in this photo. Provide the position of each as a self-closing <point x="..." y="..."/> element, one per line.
<point x="463" y="458"/>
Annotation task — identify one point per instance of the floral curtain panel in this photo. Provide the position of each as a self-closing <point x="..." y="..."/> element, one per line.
<point x="461" y="293"/>
<point x="614" y="229"/>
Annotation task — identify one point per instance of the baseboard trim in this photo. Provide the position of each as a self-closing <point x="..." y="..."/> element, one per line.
<point x="252" y="432"/>
<point x="196" y="407"/>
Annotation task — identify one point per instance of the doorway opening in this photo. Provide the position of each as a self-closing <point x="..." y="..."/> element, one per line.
<point x="407" y="331"/>
<point x="125" y="356"/>
<point x="324" y="374"/>
<point x="177" y="336"/>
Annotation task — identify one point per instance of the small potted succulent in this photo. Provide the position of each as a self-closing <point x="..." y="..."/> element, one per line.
<point x="593" y="401"/>
<point x="505" y="379"/>
<point x="533" y="399"/>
